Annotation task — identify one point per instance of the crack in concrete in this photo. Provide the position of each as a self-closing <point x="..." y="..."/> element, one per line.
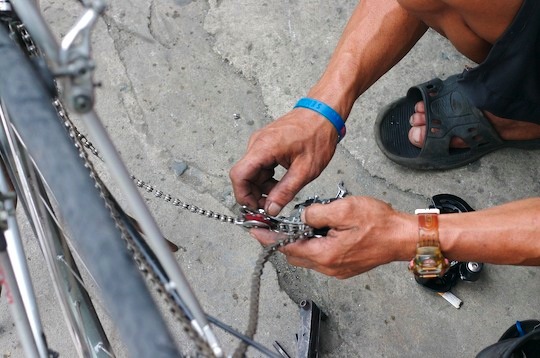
<point x="205" y="183"/>
<point x="128" y="98"/>
<point x="155" y="35"/>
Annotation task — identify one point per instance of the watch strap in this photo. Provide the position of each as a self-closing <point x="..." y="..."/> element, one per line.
<point x="428" y="227"/>
<point x="429" y="261"/>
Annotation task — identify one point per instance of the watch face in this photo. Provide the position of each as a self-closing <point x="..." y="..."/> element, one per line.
<point x="429" y="262"/>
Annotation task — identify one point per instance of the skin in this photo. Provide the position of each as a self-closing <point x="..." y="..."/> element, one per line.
<point x="366" y="232"/>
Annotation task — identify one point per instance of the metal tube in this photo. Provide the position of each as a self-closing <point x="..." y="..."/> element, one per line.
<point x="17" y="257"/>
<point x="16" y="305"/>
<point x="152" y="232"/>
<point x="19" y="160"/>
<point x="28" y="11"/>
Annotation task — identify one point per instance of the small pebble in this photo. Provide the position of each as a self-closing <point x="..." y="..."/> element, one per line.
<point x="179" y="168"/>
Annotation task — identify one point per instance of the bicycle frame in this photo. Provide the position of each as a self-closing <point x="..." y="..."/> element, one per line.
<point x="71" y="62"/>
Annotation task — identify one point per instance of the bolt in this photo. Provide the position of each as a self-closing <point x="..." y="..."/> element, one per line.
<point x="82" y="103"/>
<point x="473" y="266"/>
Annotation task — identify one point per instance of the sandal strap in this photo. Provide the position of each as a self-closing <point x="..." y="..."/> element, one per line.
<point x="449" y="113"/>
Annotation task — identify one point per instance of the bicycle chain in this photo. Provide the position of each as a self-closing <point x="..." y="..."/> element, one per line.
<point x="140" y="260"/>
<point x="80" y="142"/>
<point x="179" y="203"/>
<point x="287" y="227"/>
<point x="257" y="271"/>
<point x="253" y="318"/>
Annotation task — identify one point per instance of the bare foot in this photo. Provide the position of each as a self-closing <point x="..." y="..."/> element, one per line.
<point x="506" y="128"/>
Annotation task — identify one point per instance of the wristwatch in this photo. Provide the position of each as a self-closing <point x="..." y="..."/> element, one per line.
<point x="429" y="261"/>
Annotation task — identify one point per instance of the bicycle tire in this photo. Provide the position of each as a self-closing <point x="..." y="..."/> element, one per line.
<point x="88" y="335"/>
<point x="123" y="289"/>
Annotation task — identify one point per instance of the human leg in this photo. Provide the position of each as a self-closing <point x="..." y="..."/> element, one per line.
<point x="505" y="85"/>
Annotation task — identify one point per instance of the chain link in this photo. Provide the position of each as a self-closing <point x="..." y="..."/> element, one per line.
<point x="263" y="258"/>
<point x="255" y="291"/>
<point x="80" y="142"/>
<point x="265" y="255"/>
<point x="139" y="258"/>
<point x="179" y="203"/>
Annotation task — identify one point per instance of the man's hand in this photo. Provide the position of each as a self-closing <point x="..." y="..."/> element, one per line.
<point x="364" y="233"/>
<point x="302" y="141"/>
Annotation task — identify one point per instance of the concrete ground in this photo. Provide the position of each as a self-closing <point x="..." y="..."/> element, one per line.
<point x="185" y="83"/>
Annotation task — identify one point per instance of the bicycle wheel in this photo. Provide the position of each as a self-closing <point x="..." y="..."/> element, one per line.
<point x="88" y="221"/>
<point x="77" y="307"/>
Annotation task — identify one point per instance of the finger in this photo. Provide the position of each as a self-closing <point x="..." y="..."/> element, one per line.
<point x="261" y="186"/>
<point x="265" y="237"/>
<point x="240" y="176"/>
<point x="250" y="180"/>
<point x="261" y="202"/>
<point x="302" y="253"/>
<point x="300" y="262"/>
<point x="317" y="266"/>
<point x="318" y="215"/>
<point x="299" y="249"/>
<point x="293" y="252"/>
<point x="285" y="190"/>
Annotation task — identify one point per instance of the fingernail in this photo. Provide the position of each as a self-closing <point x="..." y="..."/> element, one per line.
<point x="411" y="121"/>
<point x="415" y="135"/>
<point x="273" y="209"/>
<point x="303" y="215"/>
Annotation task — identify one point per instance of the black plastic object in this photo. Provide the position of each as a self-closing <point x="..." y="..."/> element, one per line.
<point x="448" y="204"/>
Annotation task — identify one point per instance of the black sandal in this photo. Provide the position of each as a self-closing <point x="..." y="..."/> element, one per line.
<point x="449" y="114"/>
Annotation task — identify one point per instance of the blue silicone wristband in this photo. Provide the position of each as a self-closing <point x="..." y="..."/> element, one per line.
<point x="327" y="111"/>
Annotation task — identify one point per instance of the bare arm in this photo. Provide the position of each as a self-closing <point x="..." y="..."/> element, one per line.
<point x="505" y="234"/>
<point x="366" y="233"/>
<point x="377" y="36"/>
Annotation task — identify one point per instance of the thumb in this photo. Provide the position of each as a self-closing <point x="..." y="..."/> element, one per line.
<point x="285" y="190"/>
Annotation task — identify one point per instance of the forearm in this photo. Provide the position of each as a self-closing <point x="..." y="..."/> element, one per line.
<point x="366" y="232"/>
<point x="506" y="234"/>
<point x="378" y="34"/>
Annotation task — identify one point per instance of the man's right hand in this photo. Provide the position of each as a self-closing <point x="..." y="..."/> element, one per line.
<point x="302" y="141"/>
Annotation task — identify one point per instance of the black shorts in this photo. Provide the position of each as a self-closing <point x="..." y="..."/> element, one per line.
<point x="507" y="83"/>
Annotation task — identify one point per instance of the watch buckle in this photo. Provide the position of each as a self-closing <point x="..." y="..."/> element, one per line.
<point x="429" y="262"/>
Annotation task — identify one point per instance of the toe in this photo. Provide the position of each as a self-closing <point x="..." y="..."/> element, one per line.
<point x="420" y="107"/>
<point x="417" y="119"/>
<point x="417" y="135"/>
